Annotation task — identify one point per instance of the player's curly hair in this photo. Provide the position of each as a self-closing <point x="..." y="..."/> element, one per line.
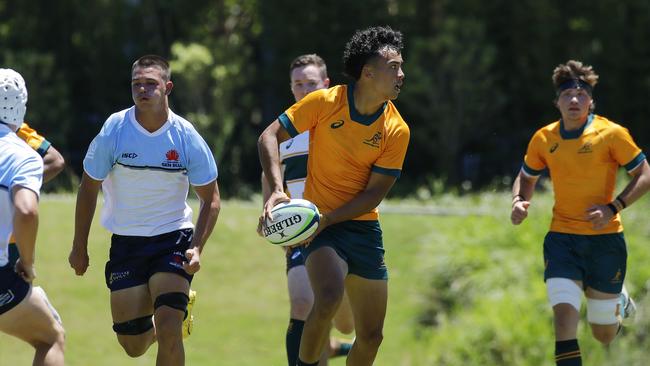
<point x="366" y="44"/>
<point x="572" y="70"/>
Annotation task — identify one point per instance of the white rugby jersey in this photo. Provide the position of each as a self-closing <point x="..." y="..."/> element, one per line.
<point x="21" y="166"/>
<point x="146" y="175"/>
<point x="293" y="154"/>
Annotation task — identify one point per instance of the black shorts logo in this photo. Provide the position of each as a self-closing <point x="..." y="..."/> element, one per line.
<point x="116" y="276"/>
<point x="7" y="298"/>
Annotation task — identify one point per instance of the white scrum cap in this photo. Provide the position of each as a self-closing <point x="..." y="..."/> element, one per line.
<point x="13" y="98"/>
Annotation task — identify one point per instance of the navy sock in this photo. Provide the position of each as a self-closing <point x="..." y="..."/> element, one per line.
<point x="294" y="333"/>
<point x="567" y="353"/>
<point x="300" y="363"/>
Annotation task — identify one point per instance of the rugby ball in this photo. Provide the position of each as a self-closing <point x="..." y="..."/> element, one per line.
<point x="293" y="222"/>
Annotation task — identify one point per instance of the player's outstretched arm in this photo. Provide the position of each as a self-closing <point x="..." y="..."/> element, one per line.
<point x="210" y="206"/>
<point x="84" y="212"/>
<point x="25" y="223"/>
<point x="267" y="146"/>
<point x="522" y="192"/>
<point x="53" y="164"/>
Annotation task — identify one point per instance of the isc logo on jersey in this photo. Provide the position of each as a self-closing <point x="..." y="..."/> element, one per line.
<point x="293" y="222"/>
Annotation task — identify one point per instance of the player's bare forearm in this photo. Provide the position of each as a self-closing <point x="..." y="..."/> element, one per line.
<point x="25" y="222"/>
<point x="85" y="210"/>
<point x="638" y="185"/>
<point x="208" y="213"/>
<point x="266" y="189"/>
<point x="522" y="192"/>
<point x="53" y="164"/>
<point x="523" y="186"/>
<point x="376" y="190"/>
<point x="267" y="146"/>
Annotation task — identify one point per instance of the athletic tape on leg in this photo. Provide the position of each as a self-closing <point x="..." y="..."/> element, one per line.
<point x="603" y="312"/>
<point x="563" y="291"/>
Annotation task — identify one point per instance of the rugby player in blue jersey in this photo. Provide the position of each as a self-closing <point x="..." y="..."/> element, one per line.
<point x="144" y="159"/>
<point x="25" y="312"/>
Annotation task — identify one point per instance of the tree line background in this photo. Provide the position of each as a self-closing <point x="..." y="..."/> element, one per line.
<point x="478" y="74"/>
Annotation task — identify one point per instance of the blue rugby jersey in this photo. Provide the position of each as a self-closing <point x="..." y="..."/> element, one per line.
<point x="146" y="175"/>
<point x="19" y="166"/>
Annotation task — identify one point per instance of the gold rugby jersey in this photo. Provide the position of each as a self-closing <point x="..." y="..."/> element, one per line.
<point x="582" y="165"/>
<point x="33" y="139"/>
<point x="345" y="146"/>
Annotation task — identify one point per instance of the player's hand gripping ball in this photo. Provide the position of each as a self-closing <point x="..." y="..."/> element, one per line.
<point x="293" y="222"/>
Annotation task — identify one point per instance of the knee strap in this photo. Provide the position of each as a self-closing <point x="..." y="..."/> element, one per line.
<point x="176" y="300"/>
<point x="134" y="326"/>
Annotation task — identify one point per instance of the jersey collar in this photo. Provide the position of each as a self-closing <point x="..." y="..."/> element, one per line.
<point x="574" y="134"/>
<point x="143" y="131"/>
<point x="365" y="120"/>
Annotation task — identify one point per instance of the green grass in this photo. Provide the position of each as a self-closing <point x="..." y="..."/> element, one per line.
<point x="465" y="289"/>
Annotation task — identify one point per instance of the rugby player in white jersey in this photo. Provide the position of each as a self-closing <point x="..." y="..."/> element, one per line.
<point x="53" y="164"/>
<point x="25" y="312"/>
<point x="307" y="73"/>
<point x="144" y="159"/>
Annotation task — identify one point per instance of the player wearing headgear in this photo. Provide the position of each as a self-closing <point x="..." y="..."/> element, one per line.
<point x="307" y="73"/>
<point x="358" y="142"/>
<point x="25" y="312"/>
<point x="585" y="250"/>
<point x="144" y="159"/>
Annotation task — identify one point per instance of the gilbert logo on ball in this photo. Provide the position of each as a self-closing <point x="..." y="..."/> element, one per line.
<point x="293" y="222"/>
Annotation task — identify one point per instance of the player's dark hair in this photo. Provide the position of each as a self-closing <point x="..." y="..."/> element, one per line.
<point x="154" y="60"/>
<point x="367" y="44"/>
<point x="310" y="59"/>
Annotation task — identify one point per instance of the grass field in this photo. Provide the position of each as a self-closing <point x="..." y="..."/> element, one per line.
<point x="465" y="289"/>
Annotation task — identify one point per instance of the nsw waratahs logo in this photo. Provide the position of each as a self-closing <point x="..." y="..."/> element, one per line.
<point x="172" y="159"/>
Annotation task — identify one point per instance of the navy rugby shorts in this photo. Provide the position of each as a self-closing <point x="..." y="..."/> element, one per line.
<point x="134" y="259"/>
<point x="13" y="289"/>
<point x="357" y="242"/>
<point x="599" y="261"/>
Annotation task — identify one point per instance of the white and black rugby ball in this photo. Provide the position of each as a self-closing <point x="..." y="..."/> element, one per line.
<point x="293" y="222"/>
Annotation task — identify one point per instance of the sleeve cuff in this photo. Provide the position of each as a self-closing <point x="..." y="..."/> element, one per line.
<point x="285" y="121"/>
<point x="392" y="172"/>
<point x="530" y="171"/>
<point x="42" y="150"/>
<point x="92" y="175"/>
<point x="635" y="162"/>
